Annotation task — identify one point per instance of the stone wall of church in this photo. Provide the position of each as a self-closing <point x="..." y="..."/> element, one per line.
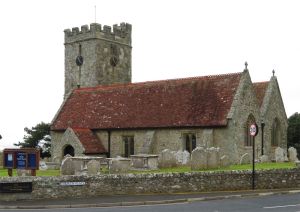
<point x="273" y="108"/>
<point x="231" y="139"/>
<point x="172" y="139"/>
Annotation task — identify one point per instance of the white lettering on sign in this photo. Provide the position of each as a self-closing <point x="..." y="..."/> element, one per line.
<point x="72" y="183"/>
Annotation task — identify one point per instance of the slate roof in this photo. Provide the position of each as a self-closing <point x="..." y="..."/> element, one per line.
<point x="189" y="102"/>
<point x="90" y="142"/>
<point x="260" y="89"/>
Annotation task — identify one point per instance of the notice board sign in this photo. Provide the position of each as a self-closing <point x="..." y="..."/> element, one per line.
<point x="24" y="158"/>
<point x="21" y="160"/>
<point x="21" y="187"/>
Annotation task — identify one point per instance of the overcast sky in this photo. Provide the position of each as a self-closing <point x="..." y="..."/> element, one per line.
<point x="170" y="39"/>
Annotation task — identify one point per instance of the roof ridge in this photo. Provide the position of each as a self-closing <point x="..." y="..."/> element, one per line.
<point x="100" y="87"/>
<point x="263" y="82"/>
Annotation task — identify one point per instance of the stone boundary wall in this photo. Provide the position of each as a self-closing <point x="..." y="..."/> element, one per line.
<point x="96" y="185"/>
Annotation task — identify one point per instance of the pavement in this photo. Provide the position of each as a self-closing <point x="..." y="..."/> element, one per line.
<point x="131" y="200"/>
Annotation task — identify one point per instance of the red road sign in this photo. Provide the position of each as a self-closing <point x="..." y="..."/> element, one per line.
<point x="253" y="130"/>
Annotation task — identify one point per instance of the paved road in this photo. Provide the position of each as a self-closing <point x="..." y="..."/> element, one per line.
<point x="272" y="203"/>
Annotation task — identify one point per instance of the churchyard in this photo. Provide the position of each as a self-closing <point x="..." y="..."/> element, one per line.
<point x="171" y="172"/>
<point x="181" y="169"/>
<point x="200" y="160"/>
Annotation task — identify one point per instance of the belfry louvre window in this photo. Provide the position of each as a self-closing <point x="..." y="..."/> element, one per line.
<point x="190" y="142"/>
<point x="128" y="142"/>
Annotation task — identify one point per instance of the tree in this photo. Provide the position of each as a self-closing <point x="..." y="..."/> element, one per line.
<point x="293" y="133"/>
<point x="37" y="137"/>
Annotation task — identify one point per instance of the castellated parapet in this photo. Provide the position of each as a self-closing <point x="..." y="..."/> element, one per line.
<point x="118" y="33"/>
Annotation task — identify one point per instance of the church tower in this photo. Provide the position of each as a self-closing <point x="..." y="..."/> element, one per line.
<point x="97" y="56"/>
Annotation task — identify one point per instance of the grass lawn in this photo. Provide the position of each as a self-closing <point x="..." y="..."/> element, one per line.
<point x="3" y="173"/>
<point x="258" y="166"/>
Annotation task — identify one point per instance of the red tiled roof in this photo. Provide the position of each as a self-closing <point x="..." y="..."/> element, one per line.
<point x="199" y="101"/>
<point x="260" y="91"/>
<point x="89" y="141"/>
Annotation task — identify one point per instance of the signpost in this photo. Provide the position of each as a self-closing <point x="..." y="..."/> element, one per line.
<point x="253" y="132"/>
<point x="24" y="158"/>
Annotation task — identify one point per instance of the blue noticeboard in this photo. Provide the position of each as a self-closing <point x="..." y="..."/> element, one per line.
<point x="31" y="162"/>
<point x="24" y="158"/>
<point x="21" y="160"/>
<point x="9" y="163"/>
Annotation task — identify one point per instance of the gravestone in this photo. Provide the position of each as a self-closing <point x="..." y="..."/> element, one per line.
<point x="279" y="155"/>
<point x="245" y="159"/>
<point x="264" y="158"/>
<point x="183" y="157"/>
<point x="67" y="167"/>
<point x="93" y="167"/>
<point x="292" y="154"/>
<point x="199" y="158"/>
<point x="43" y="165"/>
<point x="213" y="158"/>
<point x="167" y="159"/>
<point x="224" y="161"/>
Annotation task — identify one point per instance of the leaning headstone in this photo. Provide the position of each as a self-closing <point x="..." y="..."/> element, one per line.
<point x="292" y="154"/>
<point x="167" y="159"/>
<point x="213" y="158"/>
<point x="264" y="158"/>
<point x="67" y="167"/>
<point x="93" y="167"/>
<point x="224" y="161"/>
<point x="199" y="158"/>
<point x="279" y="154"/>
<point x="245" y="159"/>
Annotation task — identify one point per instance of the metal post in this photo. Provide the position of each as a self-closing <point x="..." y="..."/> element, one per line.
<point x="253" y="164"/>
<point x="109" y="141"/>
<point x="262" y="138"/>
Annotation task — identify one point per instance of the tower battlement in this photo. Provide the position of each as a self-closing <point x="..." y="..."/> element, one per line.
<point x="119" y="33"/>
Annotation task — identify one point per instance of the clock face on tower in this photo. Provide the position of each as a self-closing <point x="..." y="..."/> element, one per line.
<point x="79" y="60"/>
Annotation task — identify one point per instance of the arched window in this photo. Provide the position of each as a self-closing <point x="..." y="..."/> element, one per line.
<point x="69" y="150"/>
<point x="275" y="133"/>
<point x="248" y="138"/>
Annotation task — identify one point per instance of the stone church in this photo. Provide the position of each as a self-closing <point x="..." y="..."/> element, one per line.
<point x="105" y="114"/>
